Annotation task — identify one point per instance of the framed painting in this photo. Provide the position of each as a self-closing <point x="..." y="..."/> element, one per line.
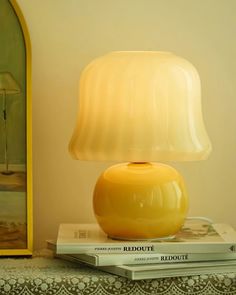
<point x="15" y="133"/>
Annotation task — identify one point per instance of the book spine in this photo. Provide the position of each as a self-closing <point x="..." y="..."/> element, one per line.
<point x="118" y="259"/>
<point x="155" y="248"/>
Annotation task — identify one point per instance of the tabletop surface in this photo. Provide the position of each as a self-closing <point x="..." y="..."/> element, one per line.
<point x="44" y="274"/>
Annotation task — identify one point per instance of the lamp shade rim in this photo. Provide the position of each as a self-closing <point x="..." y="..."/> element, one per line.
<point x="145" y="157"/>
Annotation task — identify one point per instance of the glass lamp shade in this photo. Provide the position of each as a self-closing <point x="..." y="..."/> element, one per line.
<point x="140" y="106"/>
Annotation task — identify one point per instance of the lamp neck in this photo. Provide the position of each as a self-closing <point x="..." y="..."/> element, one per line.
<point x="139" y="163"/>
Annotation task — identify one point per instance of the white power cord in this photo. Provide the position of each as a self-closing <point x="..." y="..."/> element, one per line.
<point x="208" y="220"/>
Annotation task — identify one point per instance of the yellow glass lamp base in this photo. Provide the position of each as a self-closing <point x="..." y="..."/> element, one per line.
<point x="140" y="201"/>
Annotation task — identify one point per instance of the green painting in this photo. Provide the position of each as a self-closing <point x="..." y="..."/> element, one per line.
<point x="13" y="131"/>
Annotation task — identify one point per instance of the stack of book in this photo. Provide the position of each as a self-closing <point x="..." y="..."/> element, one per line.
<point x="199" y="248"/>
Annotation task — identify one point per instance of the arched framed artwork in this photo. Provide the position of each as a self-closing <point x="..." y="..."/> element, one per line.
<point x="15" y="132"/>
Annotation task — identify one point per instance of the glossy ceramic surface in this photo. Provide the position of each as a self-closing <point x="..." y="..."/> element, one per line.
<point x="140" y="201"/>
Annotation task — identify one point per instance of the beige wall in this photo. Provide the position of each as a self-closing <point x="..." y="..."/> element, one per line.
<point x="67" y="34"/>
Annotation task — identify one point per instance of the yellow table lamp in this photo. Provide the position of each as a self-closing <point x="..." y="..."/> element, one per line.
<point x="140" y="107"/>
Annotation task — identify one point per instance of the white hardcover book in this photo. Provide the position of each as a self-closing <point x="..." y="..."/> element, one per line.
<point x="154" y="271"/>
<point x="129" y="259"/>
<point x="164" y="270"/>
<point x="195" y="237"/>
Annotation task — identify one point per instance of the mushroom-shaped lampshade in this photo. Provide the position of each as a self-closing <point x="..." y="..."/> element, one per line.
<point x="140" y="106"/>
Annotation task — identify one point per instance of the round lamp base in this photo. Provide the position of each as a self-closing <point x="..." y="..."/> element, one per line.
<point x="139" y="201"/>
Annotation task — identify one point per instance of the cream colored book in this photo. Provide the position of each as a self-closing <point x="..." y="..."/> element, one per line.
<point x="158" y="270"/>
<point x="154" y="271"/>
<point x="141" y="258"/>
<point x="195" y="237"/>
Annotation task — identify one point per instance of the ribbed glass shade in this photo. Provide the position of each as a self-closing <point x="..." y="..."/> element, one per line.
<point x="140" y="106"/>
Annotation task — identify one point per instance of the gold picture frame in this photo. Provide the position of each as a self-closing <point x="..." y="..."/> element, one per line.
<point x="16" y="216"/>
